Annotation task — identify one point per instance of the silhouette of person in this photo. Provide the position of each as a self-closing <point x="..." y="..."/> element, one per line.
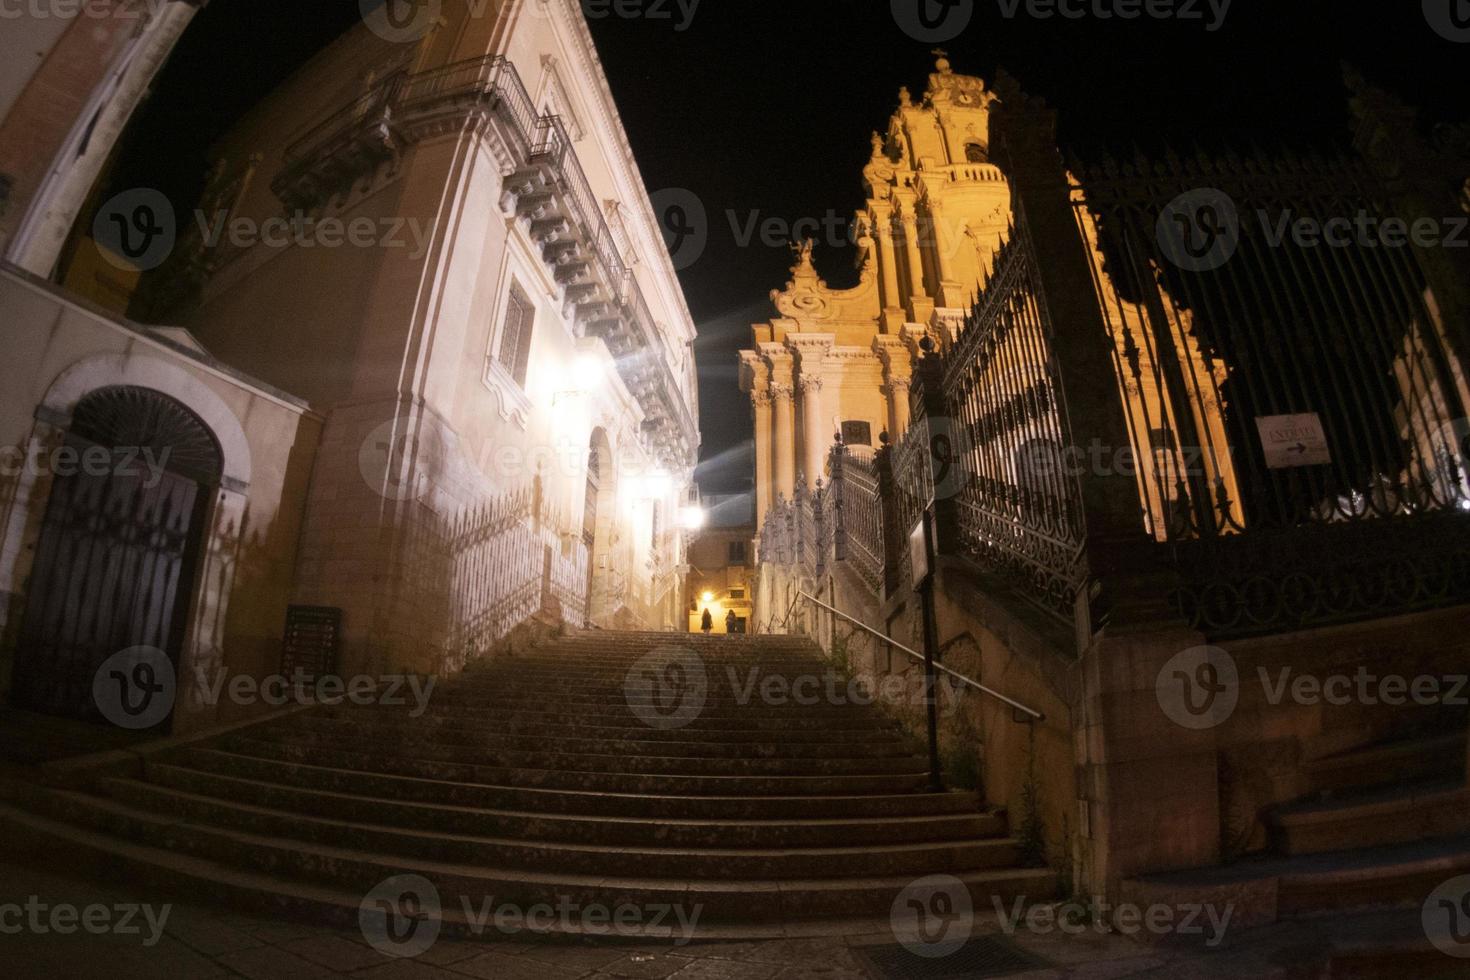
<point x="706" y="622"/>
<point x="730" y="622"/>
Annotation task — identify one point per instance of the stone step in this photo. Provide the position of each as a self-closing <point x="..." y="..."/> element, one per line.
<point x="606" y="763"/>
<point x="1401" y="760"/>
<point x="732" y="910"/>
<point x="446" y="731"/>
<point x="568" y="827"/>
<point x="808" y="689"/>
<point x="651" y="805"/>
<point x="1272" y="887"/>
<point x="665" y="784"/>
<point x="1382" y="876"/>
<point x="617" y="714"/>
<point x="551" y="780"/>
<point x="206" y="816"/>
<point x="580" y="727"/>
<point x="1391" y="816"/>
<point x="725" y="896"/>
<point x="576" y="664"/>
<point x="617" y="700"/>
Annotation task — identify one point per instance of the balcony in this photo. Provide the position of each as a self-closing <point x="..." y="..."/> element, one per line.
<point x="546" y="189"/>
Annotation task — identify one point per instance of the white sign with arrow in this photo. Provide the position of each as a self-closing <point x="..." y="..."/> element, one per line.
<point x="1293" y="440"/>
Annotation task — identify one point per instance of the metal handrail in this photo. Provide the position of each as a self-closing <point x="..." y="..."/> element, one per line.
<point x="968" y="681"/>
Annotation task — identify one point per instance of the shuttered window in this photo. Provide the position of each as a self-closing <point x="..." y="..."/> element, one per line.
<point x="514" y="351"/>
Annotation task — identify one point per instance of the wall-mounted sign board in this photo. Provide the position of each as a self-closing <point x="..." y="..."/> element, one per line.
<point x="1293" y="440"/>
<point x="313" y="639"/>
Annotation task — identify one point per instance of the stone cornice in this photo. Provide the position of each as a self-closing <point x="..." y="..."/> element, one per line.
<point x="633" y="190"/>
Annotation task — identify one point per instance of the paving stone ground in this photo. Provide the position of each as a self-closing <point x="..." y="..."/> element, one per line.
<point x="197" y="943"/>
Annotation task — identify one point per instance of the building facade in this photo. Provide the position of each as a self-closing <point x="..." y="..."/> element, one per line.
<point x="837" y="365"/>
<point x="722" y="567"/>
<point x="1147" y="477"/>
<point x="429" y="250"/>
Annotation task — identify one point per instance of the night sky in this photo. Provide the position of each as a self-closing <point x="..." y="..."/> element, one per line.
<point x="766" y="106"/>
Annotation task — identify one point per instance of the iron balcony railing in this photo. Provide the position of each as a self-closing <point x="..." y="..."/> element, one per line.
<point x="402" y="101"/>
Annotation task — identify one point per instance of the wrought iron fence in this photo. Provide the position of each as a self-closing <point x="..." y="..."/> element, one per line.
<point x="1267" y="323"/>
<point x="1234" y="328"/>
<point x="497" y="564"/>
<point x="857" y="515"/>
<point x="998" y="448"/>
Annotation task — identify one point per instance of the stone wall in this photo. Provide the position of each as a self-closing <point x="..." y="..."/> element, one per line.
<point x="1112" y="784"/>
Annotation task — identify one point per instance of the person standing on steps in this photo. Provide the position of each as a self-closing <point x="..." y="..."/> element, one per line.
<point x="730" y="623"/>
<point x="706" y="622"/>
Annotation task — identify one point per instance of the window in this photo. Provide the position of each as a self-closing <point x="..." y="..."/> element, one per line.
<point x="514" y="352"/>
<point x="737" y="593"/>
<point x="737" y="553"/>
<point x="857" y="434"/>
<point x="975" y="153"/>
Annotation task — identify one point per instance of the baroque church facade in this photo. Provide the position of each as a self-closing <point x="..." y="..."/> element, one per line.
<point x="837" y="365"/>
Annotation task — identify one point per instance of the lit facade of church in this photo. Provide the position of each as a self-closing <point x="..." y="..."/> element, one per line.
<point x="839" y="363"/>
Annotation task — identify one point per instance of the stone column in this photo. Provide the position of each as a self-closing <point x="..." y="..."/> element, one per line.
<point x="815" y="437"/>
<point x="761" y="405"/>
<point x="915" y="257"/>
<point x="888" y="261"/>
<point x="783" y="440"/>
<point x="897" y="390"/>
<point x="897" y="370"/>
<point x="948" y="293"/>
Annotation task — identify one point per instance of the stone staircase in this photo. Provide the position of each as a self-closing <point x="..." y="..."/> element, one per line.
<point x="550" y="778"/>
<point x="1392" y="792"/>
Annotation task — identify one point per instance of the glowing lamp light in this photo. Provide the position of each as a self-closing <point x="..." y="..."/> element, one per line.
<point x="693" y="518"/>
<point x="586" y="372"/>
<point x="657" y="484"/>
<point x="708" y="597"/>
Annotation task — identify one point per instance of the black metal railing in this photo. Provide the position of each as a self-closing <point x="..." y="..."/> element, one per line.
<point x="1288" y="325"/>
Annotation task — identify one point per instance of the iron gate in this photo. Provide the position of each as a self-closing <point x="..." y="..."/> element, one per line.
<point x="118" y="544"/>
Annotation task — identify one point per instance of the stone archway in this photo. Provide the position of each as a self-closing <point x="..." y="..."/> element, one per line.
<point x="200" y="646"/>
<point x="118" y="552"/>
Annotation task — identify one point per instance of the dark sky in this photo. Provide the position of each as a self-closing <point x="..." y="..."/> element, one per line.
<point x="766" y="106"/>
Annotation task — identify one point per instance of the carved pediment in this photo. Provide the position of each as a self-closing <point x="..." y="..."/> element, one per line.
<point x="807" y="297"/>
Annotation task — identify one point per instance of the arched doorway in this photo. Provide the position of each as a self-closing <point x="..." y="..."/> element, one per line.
<point x="121" y="535"/>
<point x="597" y="525"/>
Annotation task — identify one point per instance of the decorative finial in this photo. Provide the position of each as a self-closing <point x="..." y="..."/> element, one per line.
<point x="943" y="61"/>
<point x="905" y="100"/>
